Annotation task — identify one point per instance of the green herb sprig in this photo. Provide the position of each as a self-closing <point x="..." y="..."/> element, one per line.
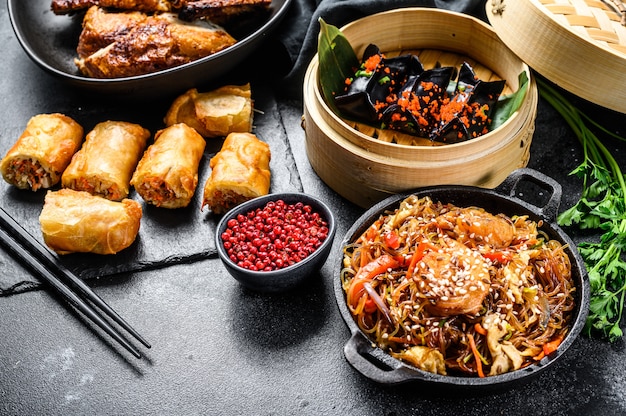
<point x="601" y="207"/>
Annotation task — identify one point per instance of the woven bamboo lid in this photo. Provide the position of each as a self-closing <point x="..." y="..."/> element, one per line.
<point x="579" y="45"/>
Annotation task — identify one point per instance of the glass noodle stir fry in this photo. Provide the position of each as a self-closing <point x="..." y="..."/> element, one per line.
<point x="459" y="291"/>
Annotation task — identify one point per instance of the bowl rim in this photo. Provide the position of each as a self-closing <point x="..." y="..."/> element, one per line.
<point x="317" y="204"/>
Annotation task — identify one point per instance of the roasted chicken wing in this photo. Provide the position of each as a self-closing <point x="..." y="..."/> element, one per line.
<point x="142" y="45"/>
<point x="102" y="28"/>
<point x="221" y="11"/>
<point x="69" y="6"/>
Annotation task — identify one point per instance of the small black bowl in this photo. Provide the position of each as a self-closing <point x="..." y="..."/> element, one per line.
<point x="288" y="278"/>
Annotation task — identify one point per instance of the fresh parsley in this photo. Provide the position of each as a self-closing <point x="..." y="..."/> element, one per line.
<point x="601" y="207"/>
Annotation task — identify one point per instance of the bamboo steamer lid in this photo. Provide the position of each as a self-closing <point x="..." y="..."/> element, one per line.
<point x="580" y="45"/>
<point x="365" y="165"/>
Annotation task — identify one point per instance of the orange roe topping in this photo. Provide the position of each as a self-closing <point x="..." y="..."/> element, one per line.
<point x="372" y="63"/>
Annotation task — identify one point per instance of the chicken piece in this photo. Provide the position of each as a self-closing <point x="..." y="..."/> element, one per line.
<point x="425" y="358"/>
<point x="101" y="28"/>
<point x="221" y="11"/>
<point x="504" y="354"/>
<point x="516" y="274"/>
<point x="69" y="6"/>
<point x="160" y="42"/>
<point x="454" y="278"/>
<point x="475" y="227"/>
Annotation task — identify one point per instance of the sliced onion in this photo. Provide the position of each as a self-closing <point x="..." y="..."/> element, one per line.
<point x="378" y="301"/>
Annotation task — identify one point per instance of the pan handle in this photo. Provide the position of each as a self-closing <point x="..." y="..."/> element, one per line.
<point x="550" y="209"/>
<point x="374" y="364"/>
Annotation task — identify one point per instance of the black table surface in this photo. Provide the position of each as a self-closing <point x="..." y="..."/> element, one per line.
<point x="221" y="349"/>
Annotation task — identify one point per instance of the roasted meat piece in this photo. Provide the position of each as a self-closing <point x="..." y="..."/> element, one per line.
<point x="69" y="6"/>
<point x="101" y="28"/>
<point x="158" y="42"/>
<point x="220" y="11"/>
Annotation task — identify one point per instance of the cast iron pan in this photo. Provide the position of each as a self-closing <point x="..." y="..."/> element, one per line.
<point x="379" y="366"/>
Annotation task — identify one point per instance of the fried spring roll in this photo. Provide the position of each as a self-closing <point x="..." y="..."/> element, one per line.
<point x="42" y="152"/>
<point x="239" y="171"/>
<point x="215" y="113"/>
<point x="167" y="174"/>
<point x="105" y="163"/>
<point x="78" y="222"/>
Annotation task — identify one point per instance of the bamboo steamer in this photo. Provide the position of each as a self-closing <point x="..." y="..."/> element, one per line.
<point x="366" y="165"/>
<point x="580" y="45"/>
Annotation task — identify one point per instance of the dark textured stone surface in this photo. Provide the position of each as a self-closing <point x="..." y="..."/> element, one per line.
<point x="219" y="348"/>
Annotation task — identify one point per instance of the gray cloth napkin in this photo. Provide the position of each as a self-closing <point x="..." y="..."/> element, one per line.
<point x="298" y="33"/>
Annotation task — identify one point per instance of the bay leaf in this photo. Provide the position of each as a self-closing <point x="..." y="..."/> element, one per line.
<point x="337" y="61"/>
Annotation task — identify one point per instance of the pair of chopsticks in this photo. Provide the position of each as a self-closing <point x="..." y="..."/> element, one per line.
<point x="33" y="254"/>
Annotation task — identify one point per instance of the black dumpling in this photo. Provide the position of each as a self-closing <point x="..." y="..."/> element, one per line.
<point x="365" y="92"/>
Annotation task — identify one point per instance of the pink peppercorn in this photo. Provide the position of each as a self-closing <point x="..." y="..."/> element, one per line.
<point x="275" y="236"/>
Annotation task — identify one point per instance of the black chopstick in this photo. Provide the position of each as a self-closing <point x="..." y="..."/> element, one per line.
<point x="19" y="242"/>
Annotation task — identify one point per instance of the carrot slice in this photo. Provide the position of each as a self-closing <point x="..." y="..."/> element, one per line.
<point x="366" y="274"/>
<point x="480" y="329"/>
<point x="551" y="346"/>
<point x="417" y="256"/>
<point x="479" y="363"/>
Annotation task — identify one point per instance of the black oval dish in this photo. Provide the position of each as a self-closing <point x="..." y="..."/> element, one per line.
<point x="51" y="40"/>
<point x="379" y="366"/>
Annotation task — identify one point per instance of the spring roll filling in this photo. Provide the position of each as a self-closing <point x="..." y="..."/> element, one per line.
<point x="156" y="191"/>
<point x="222" y="201"/>
<point x="97" y="187"/>
<point x="28" y="172"/>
